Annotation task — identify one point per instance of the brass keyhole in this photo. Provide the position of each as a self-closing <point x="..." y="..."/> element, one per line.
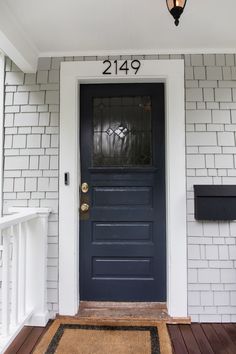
<point x="84" y="187"/>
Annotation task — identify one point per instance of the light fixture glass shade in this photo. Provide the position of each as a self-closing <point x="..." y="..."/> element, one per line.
<point x="174" y="3"/>
<point x="176" y="8"/>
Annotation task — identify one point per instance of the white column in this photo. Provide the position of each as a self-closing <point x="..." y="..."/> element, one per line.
<point x="2" y="76"/>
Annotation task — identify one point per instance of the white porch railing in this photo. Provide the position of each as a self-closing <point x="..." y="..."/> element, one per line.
<point x="23" y="256"/>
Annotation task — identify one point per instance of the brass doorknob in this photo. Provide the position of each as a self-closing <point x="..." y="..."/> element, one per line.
<point x="84" y="207"/>
<point x="84" y="187"/>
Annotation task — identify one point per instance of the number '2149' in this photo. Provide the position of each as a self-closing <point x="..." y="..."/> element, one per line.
<point x="115" y="67"/>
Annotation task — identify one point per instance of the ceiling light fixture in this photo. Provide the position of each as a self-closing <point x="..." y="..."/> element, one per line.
<point x="176" y="8"/>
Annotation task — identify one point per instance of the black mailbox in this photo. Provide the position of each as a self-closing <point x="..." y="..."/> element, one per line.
<point x="215" y="202"/>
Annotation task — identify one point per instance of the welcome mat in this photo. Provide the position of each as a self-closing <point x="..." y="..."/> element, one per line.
<point x="81" y="337"/>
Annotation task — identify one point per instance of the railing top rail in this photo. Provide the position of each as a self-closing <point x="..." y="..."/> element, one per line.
<point x="21" y="215"/>
<point x="14" y="219"/>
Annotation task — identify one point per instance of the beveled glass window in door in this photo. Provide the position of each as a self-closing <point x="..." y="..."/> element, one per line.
<point x="122" y="131"/>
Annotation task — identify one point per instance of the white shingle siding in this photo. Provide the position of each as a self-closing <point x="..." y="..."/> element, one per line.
<point x="211" y="270"/>
<point x="31" y="167"/>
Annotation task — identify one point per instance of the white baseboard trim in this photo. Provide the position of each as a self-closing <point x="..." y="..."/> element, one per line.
<point x="39" y="319"/>
<point x="14" y="331"/>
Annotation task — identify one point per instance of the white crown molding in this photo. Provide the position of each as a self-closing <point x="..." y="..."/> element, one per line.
<point x="15" y="43"/>
<point x="134" y="52"/>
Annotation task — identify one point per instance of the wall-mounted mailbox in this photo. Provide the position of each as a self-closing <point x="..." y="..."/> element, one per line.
<point x="215" y="202"/>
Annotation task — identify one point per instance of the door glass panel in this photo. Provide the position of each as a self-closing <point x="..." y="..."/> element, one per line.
<point x="122" y="131"/>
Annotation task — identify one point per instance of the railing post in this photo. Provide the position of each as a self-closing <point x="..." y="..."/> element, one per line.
<point x="6" y="284"/>
<point x="36" y="279"/>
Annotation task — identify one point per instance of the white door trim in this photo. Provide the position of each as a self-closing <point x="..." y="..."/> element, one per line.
<point x="171" y="72"/>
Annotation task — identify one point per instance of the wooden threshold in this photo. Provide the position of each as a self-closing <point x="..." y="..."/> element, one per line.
<point x="179" y="320"/>
<point x="113" y="304"/>
<point x="135" y="311"/>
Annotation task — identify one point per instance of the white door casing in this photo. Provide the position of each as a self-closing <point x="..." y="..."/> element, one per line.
<point x="171" y="72"/>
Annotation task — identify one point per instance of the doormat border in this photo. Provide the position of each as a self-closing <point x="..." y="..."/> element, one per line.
<point x="155" y="345"/>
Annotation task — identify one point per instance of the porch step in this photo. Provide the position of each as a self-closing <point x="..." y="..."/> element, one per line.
<point x="140" y="311"/>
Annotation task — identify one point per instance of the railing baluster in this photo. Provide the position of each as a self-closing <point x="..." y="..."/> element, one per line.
<point x="6" y="284"/>
<point x="21" y="271"/>
<point x="15" y="263"/>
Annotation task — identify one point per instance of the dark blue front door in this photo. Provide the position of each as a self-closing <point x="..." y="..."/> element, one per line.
<point x="122" y="242"/>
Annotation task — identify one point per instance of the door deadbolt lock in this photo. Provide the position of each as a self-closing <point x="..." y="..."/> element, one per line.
<point x="84" y="187"/>
<point x="84" y="207"/>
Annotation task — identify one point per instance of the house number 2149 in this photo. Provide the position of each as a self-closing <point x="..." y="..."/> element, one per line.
<point x="115" y="67"/>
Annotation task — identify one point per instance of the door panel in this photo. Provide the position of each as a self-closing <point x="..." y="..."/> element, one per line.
<point x="122" y="267"/>
<point x="122" y="235"/>
<point x="122" y="232"/>
<point x="122" y="196"/>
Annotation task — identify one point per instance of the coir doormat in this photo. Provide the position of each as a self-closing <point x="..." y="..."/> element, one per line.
<point x="79" y="337"/>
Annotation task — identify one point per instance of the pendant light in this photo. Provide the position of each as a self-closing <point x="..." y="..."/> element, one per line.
<point x="176" y="8"/>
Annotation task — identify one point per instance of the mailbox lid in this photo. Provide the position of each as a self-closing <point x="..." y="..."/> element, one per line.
<point x="216" y="190"/>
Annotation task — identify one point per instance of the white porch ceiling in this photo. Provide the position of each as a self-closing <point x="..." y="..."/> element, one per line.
<point x="33" y="28"/>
